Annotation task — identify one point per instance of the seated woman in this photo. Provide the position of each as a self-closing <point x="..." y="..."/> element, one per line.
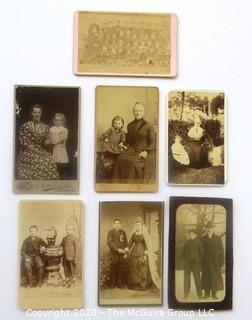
<point x="137" y="163"/>
<point x="34" y="162"/>
<point x="179" y="153"/>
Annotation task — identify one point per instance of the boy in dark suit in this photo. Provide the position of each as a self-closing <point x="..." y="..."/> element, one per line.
<point x="69" y="245"/>
<point x="118" y="244"/>
<point x="31" y="251"/>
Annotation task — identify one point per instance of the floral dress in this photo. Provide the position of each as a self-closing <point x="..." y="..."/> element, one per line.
<point x="30" y="164"/>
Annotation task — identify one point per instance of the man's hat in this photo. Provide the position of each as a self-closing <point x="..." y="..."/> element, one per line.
<point x="195" y="231"/>
<point x="210" y="225"/>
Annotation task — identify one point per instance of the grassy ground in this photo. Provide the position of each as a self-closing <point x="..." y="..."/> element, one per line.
<point x="210" y="175"/>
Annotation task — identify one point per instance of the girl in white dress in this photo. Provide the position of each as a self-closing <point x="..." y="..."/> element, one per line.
<point x="179" y="153"/>
<point x="58" y="135"/>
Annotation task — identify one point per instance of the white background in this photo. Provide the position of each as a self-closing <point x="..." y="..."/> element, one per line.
<point x="215" y="51"/>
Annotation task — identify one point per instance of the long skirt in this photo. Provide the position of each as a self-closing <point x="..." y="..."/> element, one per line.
<point x="34" y="166"/>
<point x="195" y="153"/>
<point x="129" y="168"/>
<point x="139" y="273"/>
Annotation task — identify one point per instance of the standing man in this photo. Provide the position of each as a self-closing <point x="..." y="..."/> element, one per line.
<point x="118" y="244"/>
<point x="31" y="251"/>
<point x="213" y="260"/>
<point x="192" y="257"/>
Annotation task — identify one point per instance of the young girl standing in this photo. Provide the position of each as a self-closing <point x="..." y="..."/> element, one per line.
<point x="58" y="135"/>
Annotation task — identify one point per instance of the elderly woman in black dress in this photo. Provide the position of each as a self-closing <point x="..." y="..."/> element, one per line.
<point x="34" y="162"/>
<point x="137" y="163"/>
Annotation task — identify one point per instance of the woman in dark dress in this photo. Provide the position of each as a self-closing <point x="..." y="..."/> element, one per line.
<point x="137" y="163"/>
<point x="34" y="162"/>
<point x="195" y="134"/>
<point x="139" y="272"/>
<point x="143" y="261"/>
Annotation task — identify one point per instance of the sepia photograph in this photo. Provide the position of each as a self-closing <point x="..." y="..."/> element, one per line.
<point x="46" y="139"/>
<point x="131" y="253"/>
<point x="126" y="130"/>
<point x="200" y="267"/>
<point x="50" y="251"/>
<point x="196" y="138"/>
<point x="125" y="44"/>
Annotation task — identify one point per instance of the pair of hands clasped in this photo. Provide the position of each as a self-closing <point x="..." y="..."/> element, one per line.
<point x="143" y="154"/>
<point x="123" y="251"/>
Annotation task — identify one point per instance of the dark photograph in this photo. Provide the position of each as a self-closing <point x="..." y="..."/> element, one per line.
<point x="50" y="254"/>
<point x="130" y="253"/>
<point x="200" y="244"/>
<point x="196" y="138"/>
<point x="126" y="138"/>
<point x="46" y="139"/>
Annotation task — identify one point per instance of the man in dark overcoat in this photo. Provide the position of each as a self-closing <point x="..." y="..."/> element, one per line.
<point x="192" y="257"/>
<point x="118" y="244"/>
<point x="213" y="260"/>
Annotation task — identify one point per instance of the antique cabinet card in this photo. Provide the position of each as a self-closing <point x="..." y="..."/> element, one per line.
<point x="125" y="44"/>
<point x="46" y="139"/>
<point x="196" y="138"/>
<point x="200" y="253"/>
<point x="50" y="248"/>
<point x="126" y="127"/>
<point x="131" y="253"/>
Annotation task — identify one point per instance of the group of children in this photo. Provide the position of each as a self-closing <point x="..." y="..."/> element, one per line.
<point x="35" y="252"/>
<point x="112" y="141"/>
